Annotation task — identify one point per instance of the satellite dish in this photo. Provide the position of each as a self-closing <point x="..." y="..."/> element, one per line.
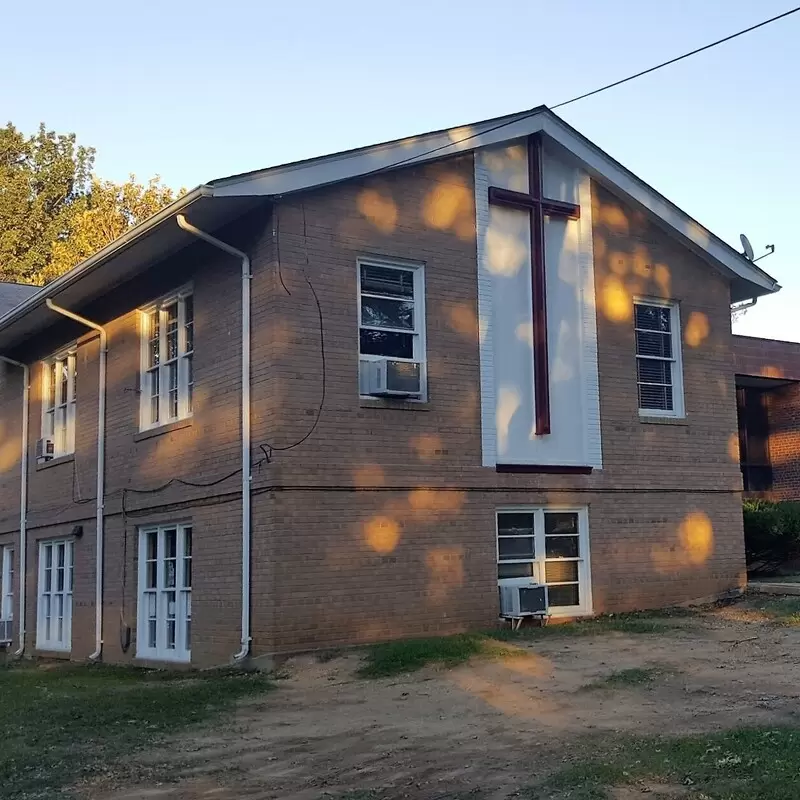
<point x="748" y="248"/>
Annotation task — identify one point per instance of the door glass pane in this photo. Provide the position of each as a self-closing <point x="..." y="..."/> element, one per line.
<point x="561" y="571"/>
<point x="561" y="547"/>
<point x="563" y="595"/>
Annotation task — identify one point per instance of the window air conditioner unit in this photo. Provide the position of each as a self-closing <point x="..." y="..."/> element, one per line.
<point x="387" y="378"/>
<point x="522" y="599"/>
<point x="45" y="448"/>
<point x="5" y="631"/>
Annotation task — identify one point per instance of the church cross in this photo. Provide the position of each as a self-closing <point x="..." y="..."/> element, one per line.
<point x="538" y="207"/>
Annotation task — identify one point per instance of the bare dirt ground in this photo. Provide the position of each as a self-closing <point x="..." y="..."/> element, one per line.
<point x="486" y="729"/>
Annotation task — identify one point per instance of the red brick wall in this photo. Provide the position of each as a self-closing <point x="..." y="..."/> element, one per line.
<point x="783" y="410"/>
<point x="382" y="523"/>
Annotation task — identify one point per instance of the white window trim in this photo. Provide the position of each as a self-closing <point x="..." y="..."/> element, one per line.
<point x="584" y="563"/>
<point x="178" y="296"/>
<point x="70" y="355"/>
<point x="678" y="404"/>
<point x="420" y="319"/>
<point x="42" y="642"/>
<point x="180" y="653"/>
<point x="7" y="583"/>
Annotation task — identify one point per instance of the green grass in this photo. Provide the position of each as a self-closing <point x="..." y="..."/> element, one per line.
<point x="60" y="724"/>
<point x="409" y="655"/>
<point x="780" y="610"/>
<point x="624" y="678"/>
<point x="745" y="764"/>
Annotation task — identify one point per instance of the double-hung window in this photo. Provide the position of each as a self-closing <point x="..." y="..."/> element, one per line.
<point x="6" y="592"/>
<point x="550" y="547"/>
<point x="391" y="315"/>
<point x="54" y="618"/>
<point x="167" y="353"/>
<point x="59" y="392"/>
<point x="164" y="629"/>
<point x="659" y="374"/>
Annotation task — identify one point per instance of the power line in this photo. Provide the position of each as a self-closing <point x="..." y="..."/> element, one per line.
<point x="677" y="58"/>
<point x="532" y="112"/>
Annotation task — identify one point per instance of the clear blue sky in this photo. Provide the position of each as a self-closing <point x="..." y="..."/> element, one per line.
<point x="194" y="91"/>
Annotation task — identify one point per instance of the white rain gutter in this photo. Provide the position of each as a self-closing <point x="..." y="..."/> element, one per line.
<point x="23" y="497"/>
<point x="247" y="476"/>
<point x="101" y="471"/>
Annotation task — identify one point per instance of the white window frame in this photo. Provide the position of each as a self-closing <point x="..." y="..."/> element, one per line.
<point x="184" y="361"/>
<point x="418" y="332"/>
<point x="540" y="559"/>
<point x="678" y="406"/>
<point x="7" y="583"/>
<point x="153" y="616"/>
<point x="65" y="407"/>
<point x="51" y="598"/>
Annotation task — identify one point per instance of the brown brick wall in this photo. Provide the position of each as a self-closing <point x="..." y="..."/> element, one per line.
<point x="382" y="523"/>
<point x="768" y="358"/>
<point x="783" y="410"/>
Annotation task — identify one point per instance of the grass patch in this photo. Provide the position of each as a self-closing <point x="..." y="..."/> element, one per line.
<point x="59" y="725"/>
<point x="745" y="764"/>
<point x="638" y="622"/>
<point x="409" y="655"/>
<point x="624" y="678"/>
<point x="780" y="610"/>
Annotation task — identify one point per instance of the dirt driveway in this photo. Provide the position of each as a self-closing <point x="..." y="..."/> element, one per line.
<point x="489" y="728"/>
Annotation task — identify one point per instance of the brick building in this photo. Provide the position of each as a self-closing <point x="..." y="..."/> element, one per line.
<point x="395" y="377"/>
<point x="768" y="404"/>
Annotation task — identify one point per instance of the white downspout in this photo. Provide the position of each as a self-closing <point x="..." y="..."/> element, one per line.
<point x="101" y="472"/>
<point x="23" y="498"/>
<point x="247" y="476"/>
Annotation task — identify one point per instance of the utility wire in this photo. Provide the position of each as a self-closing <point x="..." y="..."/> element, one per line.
<point x="532" y="112"/>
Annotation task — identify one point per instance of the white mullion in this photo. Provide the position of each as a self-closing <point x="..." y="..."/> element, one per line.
<point x="163" y="389"/>
<point x="161" y="611"/>
<point x="183" y="369"/>
<point x="180" y="544"/>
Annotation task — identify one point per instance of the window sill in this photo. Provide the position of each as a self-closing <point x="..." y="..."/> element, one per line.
<point x="679" y="421"/>
<point x="156" y="661"/>
<point x="395" y="405"/>
<point x="54" y="462"/>
<point x="177" y="425"/>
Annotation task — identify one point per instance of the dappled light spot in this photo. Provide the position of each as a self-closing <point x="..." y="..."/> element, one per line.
<point x="663" y="279"/>
<point x="508" y="401"/>
<point x="615" y="301"/>
<point x="450" y="205"/>
<point x="524" y="332"/>
<point x="697" y="537"/>
<point x="614" y="217"/>
<point x="435" y="501"/>
<point x="733" y="447"/>
<point x="445" y="566"/>
<point x="461" y="137"/>
<point x="369" y="475"/>
<point x="10" y="449"/>
<point x="506" y="252"/>
<point x="463" y="320"/>
<point x="427" y="446"/>
<point x="697" y="329"/>
<point x="641" y="262"/>
<point x="382" y="534"/>
<point x="378" y="208"/>
<point x="771" y="371"/>
<point x="619" y="262"/>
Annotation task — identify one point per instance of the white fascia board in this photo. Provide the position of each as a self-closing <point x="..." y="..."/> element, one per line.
<point x="317" y="172"/>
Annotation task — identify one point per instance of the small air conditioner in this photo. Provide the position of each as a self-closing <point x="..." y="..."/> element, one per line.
<point x="5" y="631"/>
<point x="45" y="448"/>
<point x="522" y="599"/>
<point x="387" y="378"/>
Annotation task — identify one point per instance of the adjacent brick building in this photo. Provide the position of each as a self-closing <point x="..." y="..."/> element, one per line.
<point x="377" y="516"/>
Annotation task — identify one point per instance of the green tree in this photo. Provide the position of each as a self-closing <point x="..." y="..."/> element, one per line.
<point x="54" y="212"/>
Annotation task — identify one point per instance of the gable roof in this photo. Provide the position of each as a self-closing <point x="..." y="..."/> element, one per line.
<point x="213" y="204"/>
<point x="12" y="294"/>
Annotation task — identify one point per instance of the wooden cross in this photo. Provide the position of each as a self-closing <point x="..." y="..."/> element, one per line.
<point x="538" y="207"/>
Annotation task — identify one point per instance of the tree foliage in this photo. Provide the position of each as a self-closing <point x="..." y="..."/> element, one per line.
<point x="54" y="212"/>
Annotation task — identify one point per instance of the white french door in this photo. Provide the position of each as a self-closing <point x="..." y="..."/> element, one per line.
<point x="164" y="629"/>
<point x="551" y="547"/>
<point x="54" y="617"/>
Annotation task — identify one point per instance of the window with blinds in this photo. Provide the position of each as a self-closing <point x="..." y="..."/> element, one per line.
<point x="658" y="358"/>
